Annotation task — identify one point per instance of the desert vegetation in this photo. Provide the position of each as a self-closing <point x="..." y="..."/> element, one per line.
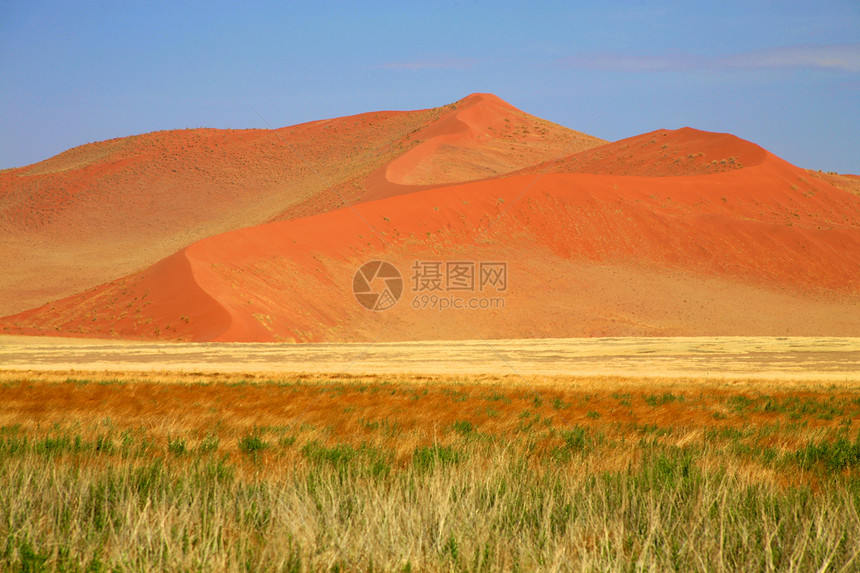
<point x="174" y="472"/>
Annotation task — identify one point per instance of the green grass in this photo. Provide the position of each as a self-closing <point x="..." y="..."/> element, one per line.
<point x="497" y="504"/>
<point x="252" y="444"/>
<point x="661" y="399"/>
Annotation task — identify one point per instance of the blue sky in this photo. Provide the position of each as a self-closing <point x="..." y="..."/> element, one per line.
<point x="783" y="74"/>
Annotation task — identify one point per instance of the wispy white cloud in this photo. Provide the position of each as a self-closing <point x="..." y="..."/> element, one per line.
<point x="431" y="64"/>
<point x="630" y="62"/>
<point x="843" y="57"/>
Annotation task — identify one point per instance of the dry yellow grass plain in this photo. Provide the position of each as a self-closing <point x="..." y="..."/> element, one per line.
<point x="667" y="454"/>
<point x="760" y="358"/>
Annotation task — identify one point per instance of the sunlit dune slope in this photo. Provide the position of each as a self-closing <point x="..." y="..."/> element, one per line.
<point x="763" y="248"/>
<point x="103" y="210"/>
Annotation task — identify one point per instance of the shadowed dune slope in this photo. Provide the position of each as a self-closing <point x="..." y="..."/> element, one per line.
<point x="762" y="248"/>
<point x="103" y="210"/>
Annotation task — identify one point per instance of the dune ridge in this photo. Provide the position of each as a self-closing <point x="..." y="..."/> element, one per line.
<point x="484" y="137"/>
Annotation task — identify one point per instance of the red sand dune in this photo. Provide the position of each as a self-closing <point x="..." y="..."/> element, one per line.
<point x="662" y="153"/>
<point x="665" y="153"/>
<point x="486" y="137"/>
<point x="619" y="240"/>
<point x="475" y="138"/>
<point x="103" y="210"/>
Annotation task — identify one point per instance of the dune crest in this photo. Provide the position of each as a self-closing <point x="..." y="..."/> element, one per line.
<point x="483" y="136"/>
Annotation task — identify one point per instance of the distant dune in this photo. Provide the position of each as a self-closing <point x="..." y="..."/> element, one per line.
<point x="674" y="232"/>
